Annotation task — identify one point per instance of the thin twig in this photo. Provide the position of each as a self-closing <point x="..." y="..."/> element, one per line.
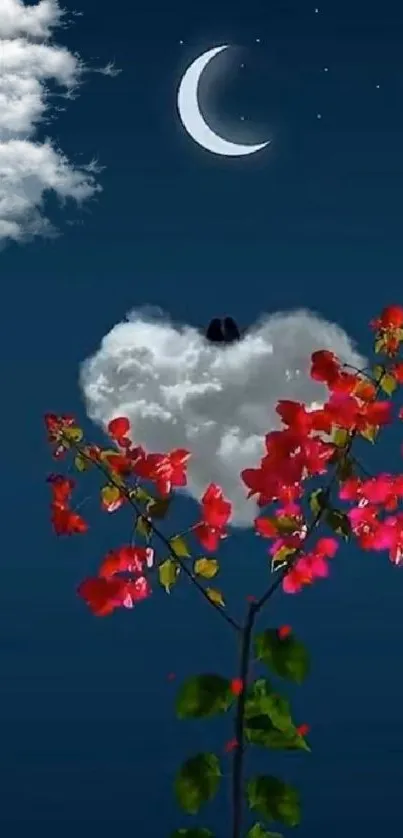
<point x="165" y="541"/>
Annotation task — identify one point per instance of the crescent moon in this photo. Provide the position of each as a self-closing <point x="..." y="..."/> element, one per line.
<point x="192" y="118"/>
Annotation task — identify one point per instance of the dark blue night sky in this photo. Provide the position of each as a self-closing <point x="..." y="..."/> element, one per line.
<point x="88" y="739"/>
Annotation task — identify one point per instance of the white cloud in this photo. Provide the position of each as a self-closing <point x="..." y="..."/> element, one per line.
<point x="180" y="391"/>
<point x="29" y="167"/>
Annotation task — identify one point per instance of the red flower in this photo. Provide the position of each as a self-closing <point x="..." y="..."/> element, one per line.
<point x="348" y="413"/>
<point x="216" y="511"/>
<point x="283" y="632"/>
<point x="295" y="415"/>
<point x="325" y="366"/>
<point x="386" y="489"/>
<point x="390" y="318"/>
<point x="231" y="745"/>
<point x="166" y="470"/>
<point x="118" y="429"/>
<point x="397" y="372"/>
<point x="326" y="547"/>
<point x="55" y="426"/>
<point x="126" y="559"/>
<point x="303" y="729"/>
<point x="266" y="527"/>
<point x="388" y="328"/>
<point x="104" y="595"/>
<point x="236" y="686"/>
<point x="66" y="522"/>
<point x="292" y="456"/>
<point x="382" y="535"/>
<point x="61" y="487"/>
<point x="310" y="566"/>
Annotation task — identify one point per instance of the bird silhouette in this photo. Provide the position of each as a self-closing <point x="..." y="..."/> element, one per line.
<point x="231" y="331"/>
<point x="214" y="331"/>
<point x="222" y="330"/>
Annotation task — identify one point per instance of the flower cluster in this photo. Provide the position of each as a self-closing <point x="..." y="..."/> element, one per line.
<point x="120" y="582"/>
<point x="312" y="443"/>
<point x="127" y="467"/>
<point x="65" y="521"/>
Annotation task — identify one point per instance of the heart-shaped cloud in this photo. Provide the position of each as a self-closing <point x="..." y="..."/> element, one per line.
<point x="219" y="401"/>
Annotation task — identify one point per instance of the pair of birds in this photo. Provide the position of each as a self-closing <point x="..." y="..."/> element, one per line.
<point x="222" y="330"/>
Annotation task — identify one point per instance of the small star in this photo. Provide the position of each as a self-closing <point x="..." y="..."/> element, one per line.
<point x="377" y="86"/>
<point x="326" y="69"/>
<point x="316" y="11"/>
<point x="242" y="117"/>
<point x="181" y="42"/>
<point x="242" y="66"/>
<point x="258" y="40"/>
<point x="318" y="116"/>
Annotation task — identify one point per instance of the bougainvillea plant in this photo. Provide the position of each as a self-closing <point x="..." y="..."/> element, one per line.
<point x="302" y="526"/>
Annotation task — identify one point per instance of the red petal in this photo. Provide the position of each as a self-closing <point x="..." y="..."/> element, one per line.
<point x="230" y="746"/>
<point x="118" y="427"/>
<point x="236" y="686"/>
<point x="283" y="632"/>
<point x="303" y="729"/>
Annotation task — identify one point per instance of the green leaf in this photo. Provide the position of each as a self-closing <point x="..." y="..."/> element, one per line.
<point x="275" y="800"/>
<point x="268" y="719"/>
<point x="340" y="437"/>
<point x="196" y="832"/>
<point x="158" y="507"/>
<point x="317" y="501"/>
<point x="388" y="384"/>
<point x="258" y="831"/>
<point x="338" y="522"/>
<point x="197" y="782"/>
<point x="81" y="463"/>
<point x="107" y="453"/>
<point x="282" y="557"/>
<point x="262" y="699"/>
<point x="207" y="568"/>
<point x="168" y="573"/>
<point x="140" y="494"/>
<point x="143" y="527"/>
<point x="73" y="434"/>
<point x="286" y="524"/>
<point x="378" y="372"/>
<point x="286" y="657"/>
<point x="370" y="433"/>
<point x="204" y="696"/>
<point x="215" y="596"/>
<point x="260" y="730"/>
<point x="379" y="345"/>
<point x="179" y="547"/>
<point x="110" y="495"/>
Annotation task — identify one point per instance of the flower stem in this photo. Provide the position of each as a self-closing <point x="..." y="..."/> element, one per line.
<point x="238" y="762"/>
<point x="80" y="449"/>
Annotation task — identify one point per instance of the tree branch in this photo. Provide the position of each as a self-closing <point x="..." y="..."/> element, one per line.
<point x="162" y="538"/>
